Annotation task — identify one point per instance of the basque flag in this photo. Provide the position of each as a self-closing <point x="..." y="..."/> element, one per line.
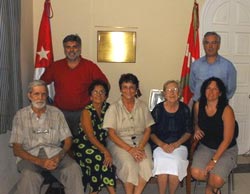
<point x="192" y="53"/>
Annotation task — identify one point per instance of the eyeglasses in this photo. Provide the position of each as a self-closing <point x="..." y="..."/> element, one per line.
<point x="133" y="140"/>
<point x="101" y="92"/>
<point x="40" y="131"/>
<point x="171" y="89"/>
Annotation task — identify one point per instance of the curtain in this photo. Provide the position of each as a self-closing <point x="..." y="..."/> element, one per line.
<point x="10" y="73"/>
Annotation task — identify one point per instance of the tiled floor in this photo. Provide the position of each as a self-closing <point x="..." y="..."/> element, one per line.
<point x="241" y="183"/>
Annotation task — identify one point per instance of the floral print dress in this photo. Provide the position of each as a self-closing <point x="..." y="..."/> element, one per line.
<point x="90" y="158"/>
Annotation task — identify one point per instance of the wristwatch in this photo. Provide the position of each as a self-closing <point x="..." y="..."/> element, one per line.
<point x="215" y="161"/>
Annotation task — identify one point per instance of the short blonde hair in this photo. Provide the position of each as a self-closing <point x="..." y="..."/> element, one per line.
<point x="173" y="82"/>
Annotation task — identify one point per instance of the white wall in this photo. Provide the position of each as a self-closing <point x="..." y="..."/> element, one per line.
<point x="162" y="28"/>
<point x="27" y="45"/>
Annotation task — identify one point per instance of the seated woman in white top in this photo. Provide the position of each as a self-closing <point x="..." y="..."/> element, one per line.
<point x="128" y="122"/>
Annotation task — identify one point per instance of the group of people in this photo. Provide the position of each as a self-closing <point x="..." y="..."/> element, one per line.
<point x="125" y="139"/>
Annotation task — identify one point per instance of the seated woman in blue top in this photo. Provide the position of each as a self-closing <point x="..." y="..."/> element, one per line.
<point x="215" y="124"/>
<point x="171" y="130"/>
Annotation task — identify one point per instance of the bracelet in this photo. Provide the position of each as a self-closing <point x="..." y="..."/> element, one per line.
<point x="215" y="161"/>
<point x="128" y="150"/>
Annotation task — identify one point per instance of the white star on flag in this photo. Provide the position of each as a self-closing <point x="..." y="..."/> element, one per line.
<point x="43" y="53"/>
<point x="44" y="49"/>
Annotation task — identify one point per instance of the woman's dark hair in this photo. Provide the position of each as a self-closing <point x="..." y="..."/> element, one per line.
<point x="98" y="83"/>
<point x="129" y="77"/>
<point x="222" y="101"/>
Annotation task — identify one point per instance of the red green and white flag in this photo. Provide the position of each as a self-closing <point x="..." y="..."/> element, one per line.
<point x="192" y="53"/>
<point x="44" y="51"/>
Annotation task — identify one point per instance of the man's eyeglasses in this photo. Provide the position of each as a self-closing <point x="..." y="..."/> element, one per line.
<point x="40" y="131"/>
<point x="133" y="140"/>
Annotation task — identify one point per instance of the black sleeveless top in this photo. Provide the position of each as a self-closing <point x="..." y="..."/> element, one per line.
<point x="213" y="128"/>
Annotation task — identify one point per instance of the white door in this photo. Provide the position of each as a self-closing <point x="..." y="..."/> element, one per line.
<point x="231" y="19"/>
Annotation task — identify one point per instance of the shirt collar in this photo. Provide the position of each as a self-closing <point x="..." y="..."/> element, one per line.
<point x="121" y="104"/>
<point x="204" y="59"/>
<point x="33" y="113"/>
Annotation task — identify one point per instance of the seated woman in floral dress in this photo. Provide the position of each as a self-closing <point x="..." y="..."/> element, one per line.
<point x="89" y="146"/>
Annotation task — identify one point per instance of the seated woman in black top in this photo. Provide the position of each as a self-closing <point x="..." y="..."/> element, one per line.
<point x="171" y="130"/>
<point x="214" y="120"/>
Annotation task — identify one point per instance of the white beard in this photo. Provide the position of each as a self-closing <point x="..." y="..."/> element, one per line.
<point x="73" y="57"/>
<point x="38" y="105"/>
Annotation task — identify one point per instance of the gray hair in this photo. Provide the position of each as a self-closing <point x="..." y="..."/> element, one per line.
<point x="72" y="38"/>
<point x="212" y="34"/>
<point x="35" y="83"/>
<point x="173" y="82"/>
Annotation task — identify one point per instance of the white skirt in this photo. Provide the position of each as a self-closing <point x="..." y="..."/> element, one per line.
<point x="174" y="163"/>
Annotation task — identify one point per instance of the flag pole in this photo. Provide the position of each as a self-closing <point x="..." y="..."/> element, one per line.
<point x="192" y="53"/>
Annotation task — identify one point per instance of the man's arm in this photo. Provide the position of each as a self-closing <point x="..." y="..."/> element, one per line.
<point x="47" y="76"/>
<point x="192" y="79"/>
<point x="20" y="152"/>
<point x="98" y="74"/>
<point x="66" y="146"/>
<point x="232" y="81"/>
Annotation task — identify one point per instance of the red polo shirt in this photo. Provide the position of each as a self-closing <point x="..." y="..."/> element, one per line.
<point x="71" y="85"/>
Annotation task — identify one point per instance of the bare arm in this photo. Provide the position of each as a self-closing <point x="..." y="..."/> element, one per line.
<point x="145" y="138"/>
<point x="165" y="146"/>
<point x="89" y="131"/>
<point x="20" y="152"/>
<point x="229" y="125"/>
<point x="156" y="140"/>
<point x="67" y="144"/>
<point x="182" y="140"/>
<point x="137" y="153"/>
<point x="66" y="147"/>
<point x="44" y="163"/>
<point x="117" y="140"/>
<point x="198" y="133"/>
<point x="170" y="147"/>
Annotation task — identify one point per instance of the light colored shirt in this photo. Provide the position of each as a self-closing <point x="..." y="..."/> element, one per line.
<point x="222" y="68"/>
<point x="45" y="132"/>
<point x="127" y="124"/>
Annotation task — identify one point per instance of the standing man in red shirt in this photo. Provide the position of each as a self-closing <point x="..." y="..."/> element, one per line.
<point x="72" y="77"/>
